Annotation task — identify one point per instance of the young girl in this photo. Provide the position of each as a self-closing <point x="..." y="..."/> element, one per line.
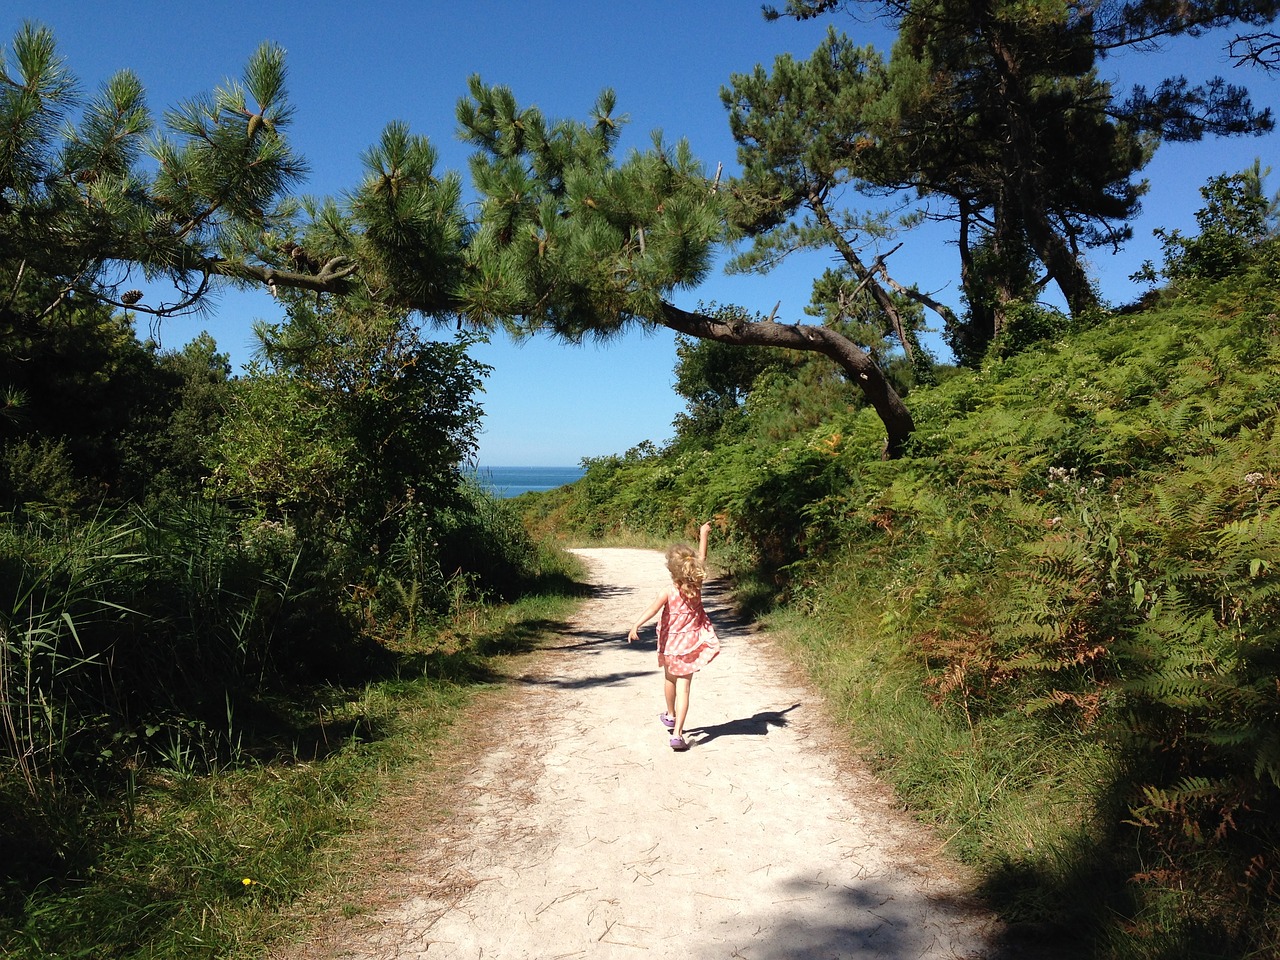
<point x="686" y="639"/>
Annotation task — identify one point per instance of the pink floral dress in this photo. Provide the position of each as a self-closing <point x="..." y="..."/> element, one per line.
<point x="687" y="641"/>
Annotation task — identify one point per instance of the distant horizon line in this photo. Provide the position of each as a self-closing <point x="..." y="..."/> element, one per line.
<point x="528" y="466"/>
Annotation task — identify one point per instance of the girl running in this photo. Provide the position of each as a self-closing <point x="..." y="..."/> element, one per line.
<point x="686" y="639"/>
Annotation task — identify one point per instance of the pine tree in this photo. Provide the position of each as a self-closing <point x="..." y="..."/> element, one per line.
<point x="998" y="108"/>
<point x="574" y="243"/>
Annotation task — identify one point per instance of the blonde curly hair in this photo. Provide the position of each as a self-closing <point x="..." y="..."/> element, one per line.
<point x="687" y="571"/>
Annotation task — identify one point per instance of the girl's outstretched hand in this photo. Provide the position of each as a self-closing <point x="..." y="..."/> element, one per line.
<point x="704" y="529"/>
<point x="634" y="634"/>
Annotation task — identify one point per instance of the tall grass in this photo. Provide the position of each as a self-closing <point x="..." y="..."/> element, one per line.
<point x="57" y="598"/>
<point x="1008" y="793"/>
<point x="210" y="863"/>
<point x="189" y="712"/>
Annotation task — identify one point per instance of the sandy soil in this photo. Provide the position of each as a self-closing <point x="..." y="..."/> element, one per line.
<point x="584" y="835"/>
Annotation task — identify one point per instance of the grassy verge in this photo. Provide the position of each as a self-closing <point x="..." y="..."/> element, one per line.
<point x="222" y="865"/>
<point x="1004" y="794"/>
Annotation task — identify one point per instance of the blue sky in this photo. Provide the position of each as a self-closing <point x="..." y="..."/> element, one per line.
<point x="353" y="67"/>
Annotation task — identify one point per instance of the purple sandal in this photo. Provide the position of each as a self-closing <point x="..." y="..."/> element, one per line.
<point x="679" y="744"/>
<point x="667" y="721"/>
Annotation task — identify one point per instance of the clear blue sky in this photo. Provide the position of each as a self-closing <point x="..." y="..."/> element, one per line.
<point x="354" y="66"/>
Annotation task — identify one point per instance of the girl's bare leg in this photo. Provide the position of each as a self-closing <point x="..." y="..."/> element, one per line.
<point x="669" y="689"/>
<point x="682" y="685"/>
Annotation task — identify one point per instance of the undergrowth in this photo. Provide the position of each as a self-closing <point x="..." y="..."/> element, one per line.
<point x="217" y="858"/>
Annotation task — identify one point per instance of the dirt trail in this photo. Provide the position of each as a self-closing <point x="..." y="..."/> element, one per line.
<point x="587" y="836"/>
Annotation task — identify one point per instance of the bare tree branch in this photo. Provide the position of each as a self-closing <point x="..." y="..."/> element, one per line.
<point x="1260" y="49"/>
<point x="856" y="362"/>
<point x="332" y="276"/>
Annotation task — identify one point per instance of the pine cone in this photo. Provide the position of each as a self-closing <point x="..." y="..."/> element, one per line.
<point x="130" y="297"/>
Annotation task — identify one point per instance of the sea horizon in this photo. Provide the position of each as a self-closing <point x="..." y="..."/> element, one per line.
<point x="511" y="481"/>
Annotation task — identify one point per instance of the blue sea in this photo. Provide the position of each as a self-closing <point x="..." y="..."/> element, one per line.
<point x="512" y="481"/>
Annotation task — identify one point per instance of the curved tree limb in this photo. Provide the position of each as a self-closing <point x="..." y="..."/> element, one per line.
<point x="941" y="309"/>
<point x="332" y="277"/>
<point x="866" y="274"/>
<point x="856" y="362"/>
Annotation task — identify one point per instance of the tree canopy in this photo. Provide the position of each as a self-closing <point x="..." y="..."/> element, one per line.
<point x="573" y="241"/>
<point x="992" y="116"/>
<point x="995" y="116"/>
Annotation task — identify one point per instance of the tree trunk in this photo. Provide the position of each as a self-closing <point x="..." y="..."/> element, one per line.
<point x="1062" y="264"/>
<point x="969" y="342"/>
<point x="1022" y="176"/>
<point x="856" y="363"/>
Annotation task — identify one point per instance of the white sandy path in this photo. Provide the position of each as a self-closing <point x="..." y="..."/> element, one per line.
<point x="589" y="837"/>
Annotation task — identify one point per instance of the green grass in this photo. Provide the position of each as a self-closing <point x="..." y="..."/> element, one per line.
<point x="1000" y="794"/>
<point x="218" y="865"/>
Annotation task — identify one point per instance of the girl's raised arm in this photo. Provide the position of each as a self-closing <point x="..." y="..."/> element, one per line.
<point x="703" y="531"/>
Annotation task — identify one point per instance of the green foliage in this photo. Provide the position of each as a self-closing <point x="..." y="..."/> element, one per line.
<point x="149" y="662"/>
<point x="188" y="411"/>
<point x="56" y="598"/>
<point x="355" y="419"/>
<point x="83" y="213"/>
<point x="999" y="112"/>
<point x="1234" y="223"/>
<point x="570" y="240"/>
<point x="999" y="274"/>
<point x="231" y="864"/>
<point x="1025" y="324"/>
<point x="1071" y="580"/>
<point x="805" y="131"/>
<point x="874" y="322"/>
<point x="40" y="471"/>
<point x="354" y="437"/>
<point x="153" y="619"/>
<point x="99" y="415"/>
<point x="335" y="539"/>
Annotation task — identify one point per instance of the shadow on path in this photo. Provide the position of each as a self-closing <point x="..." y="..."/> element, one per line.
<point x="583" y="683"/>
<point x="608" y="591"/>
<point x="756" y="725"/>
<point x="573" y="639"/>
<point x="866" y="920"/>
